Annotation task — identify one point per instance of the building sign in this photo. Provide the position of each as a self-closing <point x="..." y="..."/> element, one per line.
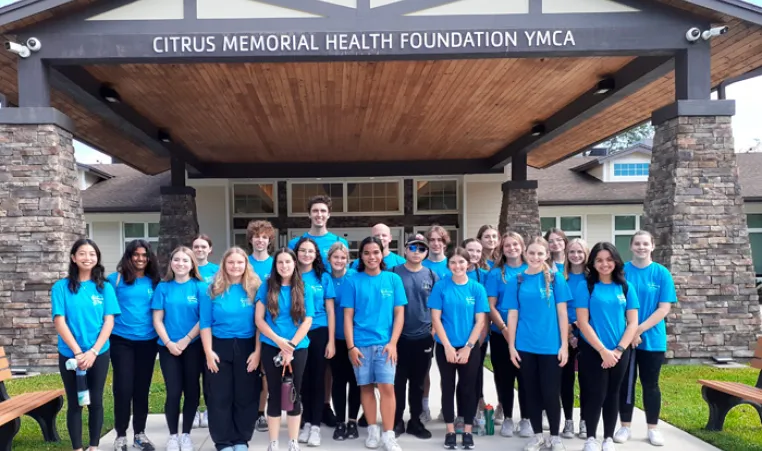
<point x="371" y="43"/>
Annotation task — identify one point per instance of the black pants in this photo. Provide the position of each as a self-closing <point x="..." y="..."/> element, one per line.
<point x="466" y="386"/>
<point x="313" y="387"/>
<point x="343" y="375"/>
<point x="274" y="375"/>
<point x="648" y="363"/>
<point x="133" y="363"/>
<point x="600" y="389"/>
<point x="542" y="380"/>
<point x="506" y="376"/>
<point x="96" y="379"/>
<point x="413" y="364"/>
<point x="233" y="393"/>
<point x="181" y="378"/>
<point x="480" y="374"/>
<point x="568" y="375"/>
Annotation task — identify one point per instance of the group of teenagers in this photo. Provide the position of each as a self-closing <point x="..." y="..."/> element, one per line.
<point x="548" y="309"/>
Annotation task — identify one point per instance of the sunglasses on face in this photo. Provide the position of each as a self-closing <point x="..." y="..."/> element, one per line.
<point x="416" y="248"/>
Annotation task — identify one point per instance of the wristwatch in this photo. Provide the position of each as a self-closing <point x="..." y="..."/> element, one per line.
<point x="470" y="345"/>
<point x="620" y="349"/>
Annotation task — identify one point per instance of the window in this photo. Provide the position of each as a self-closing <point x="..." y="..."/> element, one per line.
<point x="631" y="169"/>
<point x="755" y="238"/>
<point x="302" y="192"/>
<point x="571" y="225"/>
<point x="148" y="231"/>
<point x="625" y="227"/>
<point x="254" y="199"/>
<point x="356" y="198"/>
<point x="88" y="230"/>
<point x="436" y="196"/>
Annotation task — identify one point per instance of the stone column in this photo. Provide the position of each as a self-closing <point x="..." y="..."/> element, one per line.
<point x="694" y="208"/>
<point x="178" y="224"/>
<point x="520" y="209"/>
<point x="40" y="218"/>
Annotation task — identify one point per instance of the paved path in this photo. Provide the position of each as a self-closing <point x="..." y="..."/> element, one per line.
<point x="675" y="438"/>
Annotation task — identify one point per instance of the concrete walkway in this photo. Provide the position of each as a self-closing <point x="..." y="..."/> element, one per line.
<point x="675" y="438"/>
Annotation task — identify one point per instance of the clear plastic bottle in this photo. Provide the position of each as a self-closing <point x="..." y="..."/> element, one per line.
<point x="481" y="423"/>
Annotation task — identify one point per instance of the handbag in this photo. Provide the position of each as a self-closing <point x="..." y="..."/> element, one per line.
<point x="287" y="389"/>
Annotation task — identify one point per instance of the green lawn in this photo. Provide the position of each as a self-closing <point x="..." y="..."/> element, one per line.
<point x="683" y="407"/>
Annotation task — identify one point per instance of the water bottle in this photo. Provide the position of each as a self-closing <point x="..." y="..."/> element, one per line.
<point x="83" y="393"/>
<point x="481" y="424"/>
<point x="489" y="417"/>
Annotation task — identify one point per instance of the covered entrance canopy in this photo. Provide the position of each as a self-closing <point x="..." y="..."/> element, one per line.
<point x="359" y="88"/>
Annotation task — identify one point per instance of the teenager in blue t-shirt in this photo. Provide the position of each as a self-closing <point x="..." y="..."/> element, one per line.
<point x="341" y="367"/>
<point x="506" y="374"/>
<point x="261" y="236"/>
<point x="202" y="249"/>
<point x="322" y="345"/>
<point x="478" y="271"/>
<point x="489" y="237"/>
<point x="374" y="313"/>
<point x="577" y="251"/>
<point x="83" y="307"/>
<point x="557" y="242"/>
<point x="283" y="316"/>
<point x="438" y="238"/>
<point x="459" y="310"/>
<point x="133" y="341"/>
<point x="176" y="316"/>
<point x="538" y="331"/>
<point x="656" y="294"/>
<point x="232" y="351"/>
<point x="607" y="314"/>
<point x="319" y="210"/>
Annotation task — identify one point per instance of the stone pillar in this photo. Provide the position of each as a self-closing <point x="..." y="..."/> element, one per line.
<point x="694" y="208"/>
<point x="520" y="209"/>
<point x="178" y="224"/>
<point x="40" y="218"/>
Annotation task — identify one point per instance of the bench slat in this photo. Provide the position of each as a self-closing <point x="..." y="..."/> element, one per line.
<point x="756" y="363"/>
<point x="24" y="403"/>
<point x="736" y="389"/>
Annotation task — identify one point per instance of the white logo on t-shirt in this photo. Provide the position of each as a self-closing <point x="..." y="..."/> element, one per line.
<point x="622" y="298"/>
<point x="470" y="300"/>
<point x="192" y="299"/>
<point x="386" y="293"/>
<point x="97" y="299"/>
<point x="245" y="302"/>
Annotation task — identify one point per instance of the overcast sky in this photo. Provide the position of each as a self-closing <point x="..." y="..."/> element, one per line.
<point x="748" y="96"/>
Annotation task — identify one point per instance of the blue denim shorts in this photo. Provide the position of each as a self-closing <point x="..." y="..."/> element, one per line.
<point x="374" y="369"/>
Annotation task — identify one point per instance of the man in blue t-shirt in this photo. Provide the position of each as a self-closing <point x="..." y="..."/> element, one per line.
<point x="319" y="209"/>
<point x="384" y="234"/>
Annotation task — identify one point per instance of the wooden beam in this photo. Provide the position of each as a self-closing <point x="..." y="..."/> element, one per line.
<point x="631" y="78"/>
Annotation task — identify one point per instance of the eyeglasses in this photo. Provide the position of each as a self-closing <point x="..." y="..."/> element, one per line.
<point x="416" y="248"/>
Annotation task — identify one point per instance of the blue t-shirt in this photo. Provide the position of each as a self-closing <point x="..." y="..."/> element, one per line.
<point x="478" y="275"/>
<point x="323" y="242"/>
<point x="608" y="309"/>
<point x="83" y="312"/>
<point x="338" y="288"/>
<point x="322" y="290"/>
<point x="491" y="264"/>
<point x="262" y="268"/>
<point x="136" y="321"/>
<point x="496" y="285"/>
<point x="230" y="315"/>
<point x="208" y="271"/>
<point x="573" y="281"/>
<point x="390" y="261"/>
<point x="654" y="285"/>
<point x="559" y="267"/>
<point x="373" y="298"/>
<point x="537" y="331"/>
<point x="181" y="305"/>
<point x="439" y="268"/>
<point x="459" y="304"/>
<point x="283" y="325"/>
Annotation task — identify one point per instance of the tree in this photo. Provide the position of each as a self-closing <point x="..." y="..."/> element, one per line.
<point x="628" y="138"/>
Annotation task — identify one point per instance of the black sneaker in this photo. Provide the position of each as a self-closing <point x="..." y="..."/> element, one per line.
<point x="451" y="441"/>
<point x="399" y="428"/>
<point x="341" y="432"/>
<point x="416" y="428"/>
<point x="363" y="423"/>
<point x="352" y="430"/>
<point x="467" y="441"/>
<point x="329" y="418"/>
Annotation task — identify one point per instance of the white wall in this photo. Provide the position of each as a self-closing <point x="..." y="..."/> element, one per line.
<point x="481" y="206"/>
<point x="213" y="218"/>
<point x="106" y="231"/>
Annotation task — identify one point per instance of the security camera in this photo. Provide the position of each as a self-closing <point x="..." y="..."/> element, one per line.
<point x="18" y="49"/>
<point x="34" y="44"/>
<point x="693" y="34"/>
<point x="715" y="31"/>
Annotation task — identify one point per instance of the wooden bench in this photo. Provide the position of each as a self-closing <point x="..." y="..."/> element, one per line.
<point x="723" y="396"/>
<point x="42" y="406"/>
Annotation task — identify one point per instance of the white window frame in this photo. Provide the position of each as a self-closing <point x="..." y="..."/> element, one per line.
<point x="274" y="214"/>
<point x="145" y="233"/>
<point x="626" y="163"/>
<point x="570" y="234"/>
<point x="89" y="230"/>
<point x="345" y="199"/>
<point x="458" y="185"/>
<point x="751" y="230"/>
<point x="615" y="233"/>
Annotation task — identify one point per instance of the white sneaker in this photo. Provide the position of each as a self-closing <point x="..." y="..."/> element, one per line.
<point x="525" y="429"/>
<point x="173" y="443"/>
<point x="545" y="422"/>
<point x="568" y="431"/>
<point x="196" y="420"/>
<point x="536" y="443"/>
<point x="390" y="441"/>
<point x="293" y="445"/>
<point x="499" y="414"/>
<point x="204" y="419"/>
<point x="655" y="437"/>
<point x="608" y="445"/>
<point x="273" y="446"/>
<point x="555" y="444"/>
<point x="622" y="434"/>
<point x="374" y="437"/>
<point x="120" y="444"/>
<point x="304" y="435"/>
<point x="314" y="437"/>
<point x="506" y="430"/>
<point x="592" y="445"/>
<point x="582" y="430"/>
<point x="425" y="416"/>
<point x="186" y="443"/>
